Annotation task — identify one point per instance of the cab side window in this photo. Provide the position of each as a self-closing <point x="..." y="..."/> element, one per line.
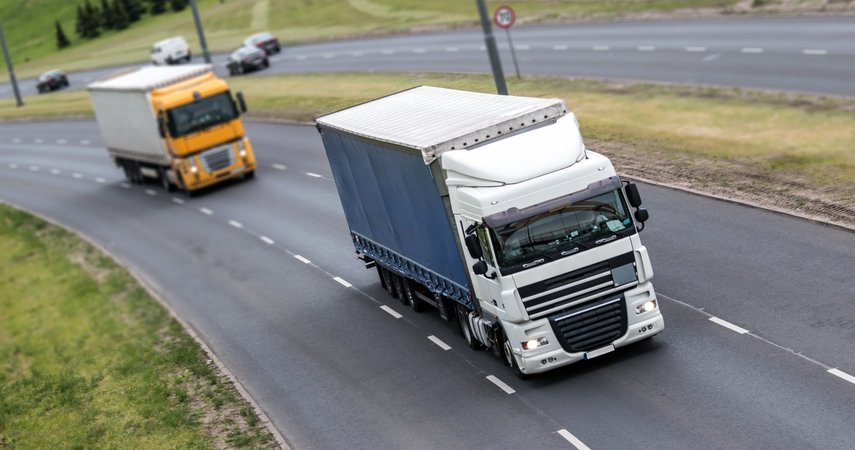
<point x="483" y="236"/>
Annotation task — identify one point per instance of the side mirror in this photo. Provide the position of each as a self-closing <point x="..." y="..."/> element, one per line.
<point x="473" y="245"/>
<point x="161" y="125"/>
<point x="641" y="215"/>
<point x="480" y="267"/>
<point x="241" y="102"/>
<point x="633" y="195"/>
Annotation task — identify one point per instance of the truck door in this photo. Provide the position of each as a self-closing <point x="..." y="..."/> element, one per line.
<point x="487" y="287"/>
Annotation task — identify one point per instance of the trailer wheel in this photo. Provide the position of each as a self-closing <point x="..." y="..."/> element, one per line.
<point x="386" y="280"/>
<point x="415" y="303"/>
<point x="465" y="331"/>
<point x="398" y="285"/>
<point x="508" y="357"/>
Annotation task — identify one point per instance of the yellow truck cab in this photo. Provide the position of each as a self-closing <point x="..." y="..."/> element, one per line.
<point x="180" y="125"/>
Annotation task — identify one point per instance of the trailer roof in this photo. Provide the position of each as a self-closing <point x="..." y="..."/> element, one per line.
<point x="435" y="120"/>
<point x="147" y="78"/>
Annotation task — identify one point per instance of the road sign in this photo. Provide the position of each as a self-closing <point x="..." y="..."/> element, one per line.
<point x="504" y="17"/>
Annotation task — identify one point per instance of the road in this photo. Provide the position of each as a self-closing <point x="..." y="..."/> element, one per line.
<point x="814" y="55"/>
<point x="264" y="272"/>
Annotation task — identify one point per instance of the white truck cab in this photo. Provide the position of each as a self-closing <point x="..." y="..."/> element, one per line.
<point x="174" y="50"/>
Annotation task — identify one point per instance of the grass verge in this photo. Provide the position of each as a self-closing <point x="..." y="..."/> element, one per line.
<point x="89" y="360"/>
<point x="785" y="150"/>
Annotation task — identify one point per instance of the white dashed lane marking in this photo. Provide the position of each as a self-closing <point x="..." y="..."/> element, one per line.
<point x="77" y="175"/>
<point x="559" y="48"/>
<point x="266" y="240"/>
<point x="841" y="374"/>
<point x="452" y="49"/>
<point x="601" y="48"/>
<point x="814" y="52"/>
<point x="357" y="54"/>
<point x="34" y="168"/>
<point x="100" y="180"/>
<point x="13" y="166"/>
<point x="125" y="185"/>
<point x="439" y="342"/>
<point x="206" y="211"/>
<point x="342" y="282"/>
<point x="303" y="260"/>
<point x="16" y="140"/>
<point x="37" y="141"/>
<point x="314" y="175"/>
<point x="61" y="141"/>
<point x="329" y="55"/>
<point x="522" y="47"/>
<point x="752" y="50"/>
<point x="645" y="48"/>
<point x="85" y="142"/>
<point x="573" y="440"/>
<point x="150" y="192"/>
<point x="278" y="166"/>
<point x="301" y="57"/>
<point x="178" y="201"/>
<point x="55" y="171"/>
<point x="235" y="224"/>
<point x="728" y="325"/>
<point x="501" y="384"/>
<point x="712" y="57"/>
<point x="388" y="52"/>
<point x="419" y="50"/>
<point x="391" y="312"/>
<point x="696" y="49"/>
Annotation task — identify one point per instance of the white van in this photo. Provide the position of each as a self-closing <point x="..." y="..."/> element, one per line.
<point x="170" y="51"/>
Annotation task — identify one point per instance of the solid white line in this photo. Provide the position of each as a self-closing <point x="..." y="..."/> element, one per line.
<point x="342" y="282"/>
<point x="439" y="342"/>
<point x="206" y="211"/>
<point x="278" y="166"/>
<point x="34" y="168"/>
<point x="501" y="384"/>
<point x="177" y="200"/>
<point x="573" y="440"/>
<point x="150" y="192"/>
<point x="560" y="47"/>
<point x="645" y="48"/>
<point x="61" y="141"/>
<point x="815" y="52"/>
<point x="452" y="49"/>
<point x="712" y="57"/>
<point x="85" y="142"/>
<point x="601" y="48"/>
<point x="125" y="185"/>
<point x="100" y="180"/>
<point x="522" y="47"/>
<point x="235" y="224"/>
<point x="54" y="171"/>
<point x="266" y="240"/>
<point x="842" y="374"/>
<point x="312" y="174"/>
<point x="37" y="141"/>
<point x="78" y="176"/>
<point x="304" y="260"/>
<point x="419" y="50"/>
<point x="391" y="312"/>
<point x="729" y="325"/>
<point x="752" y="50"/>
<point x="696" y="49"/>
<point x="388" y="52"/>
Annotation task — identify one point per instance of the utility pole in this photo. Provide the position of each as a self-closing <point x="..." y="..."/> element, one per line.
<point x="11" y="69"/>
<point x="498" y="75"/>
<point x="200" y="31"/>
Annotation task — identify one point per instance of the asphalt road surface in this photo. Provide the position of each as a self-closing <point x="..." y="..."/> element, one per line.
<point x="758" y="352"/>
<point x="815" y="55"/>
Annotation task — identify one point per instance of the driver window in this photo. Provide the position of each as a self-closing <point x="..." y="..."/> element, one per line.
<point x="486" y="247"/>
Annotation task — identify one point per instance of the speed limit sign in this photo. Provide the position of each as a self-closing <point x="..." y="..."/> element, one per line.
<point x="504" y="17"/>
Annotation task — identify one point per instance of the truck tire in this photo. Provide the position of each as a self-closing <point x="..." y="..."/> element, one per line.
<point x="386" y="281"/>
<point x="415" y="303"/>
<point x="249" y="175"/>
<point x="398" y="284"/>
<point x="509" y="359"/>
<point x="164" y="180"/>
<point x="465" y="331"/>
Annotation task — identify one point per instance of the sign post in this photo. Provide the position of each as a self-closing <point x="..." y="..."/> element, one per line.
<point x="12" y="79"/>
<point x="504" y="17"/>
<point x="495" y="63"/>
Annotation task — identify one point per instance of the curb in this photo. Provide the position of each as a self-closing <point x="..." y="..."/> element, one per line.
<point x="153" y="292"/>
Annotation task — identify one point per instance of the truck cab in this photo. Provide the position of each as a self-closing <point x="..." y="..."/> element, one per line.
<point x="559" y="265"/>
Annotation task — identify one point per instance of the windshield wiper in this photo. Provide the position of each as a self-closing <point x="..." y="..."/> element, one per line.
<point x="605" y="239"/>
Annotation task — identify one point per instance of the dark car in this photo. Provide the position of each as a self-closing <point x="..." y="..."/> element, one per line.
<point x="246" y="59"/>
<point x="265" y="41"/>
<point x="51" y="81"/>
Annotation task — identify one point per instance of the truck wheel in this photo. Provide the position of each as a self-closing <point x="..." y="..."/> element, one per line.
<point x="398" y="284"/>
<point x="164" y="181"/>
<point x="386" y="281"/>
<point x="465" y="330"/>
<point x="415" y="303"/>
<point x="510" y="360"/>
<point x="249" y="175"/>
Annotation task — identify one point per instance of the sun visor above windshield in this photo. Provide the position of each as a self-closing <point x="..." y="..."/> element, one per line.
<point x="516" y="214"/>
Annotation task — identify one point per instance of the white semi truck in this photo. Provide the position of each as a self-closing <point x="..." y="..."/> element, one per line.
<point x="491" y="209"/>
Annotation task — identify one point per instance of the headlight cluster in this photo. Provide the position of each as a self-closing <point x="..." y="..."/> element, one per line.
<point x="241" y="148"/>
<point x="646" y="307"/>
<point x="534" y="343"/>
<point x="191" y="166"/>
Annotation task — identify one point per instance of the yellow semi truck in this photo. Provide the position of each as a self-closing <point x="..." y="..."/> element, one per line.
<point x="180" y="125"/>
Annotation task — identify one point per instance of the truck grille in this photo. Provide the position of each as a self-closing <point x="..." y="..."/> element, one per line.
<point x="218" y="158"/>
<point x="591" y="325"/>
<point x="580" y="286"/>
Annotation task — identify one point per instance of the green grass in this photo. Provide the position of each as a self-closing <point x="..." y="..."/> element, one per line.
<point x="89" y="360"/>
<point x="30" y="31"/>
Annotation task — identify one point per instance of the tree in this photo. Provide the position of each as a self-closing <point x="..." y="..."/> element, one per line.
<point x="108" y="18"/>
<point x="80" y="22"/>
<point x="157" y="7"/>
<point x="177" y="5"/>
<point x="120" y="16"/>
<point x="61" y="40"/>
<point x="133" y="9"/>
<point x="92" y="20"/>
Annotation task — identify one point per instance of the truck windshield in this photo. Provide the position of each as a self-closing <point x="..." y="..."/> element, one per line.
<point x="561" y="231"/>
<point x="201" y="114"/>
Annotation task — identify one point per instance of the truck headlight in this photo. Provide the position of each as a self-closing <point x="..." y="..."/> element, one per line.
<point x="534" y="343"/>
<point x="241" y="148"/>
<point x="646" y="307"/>
<point x="191" y="166"/>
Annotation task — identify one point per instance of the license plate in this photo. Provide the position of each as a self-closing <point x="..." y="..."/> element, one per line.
<point x="599" y="352"/>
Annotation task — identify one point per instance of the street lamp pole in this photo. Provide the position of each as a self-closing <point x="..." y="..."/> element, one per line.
<point x="200" y="31"/>
<point x="498" y="74"/>
<point x="11" y="69"/>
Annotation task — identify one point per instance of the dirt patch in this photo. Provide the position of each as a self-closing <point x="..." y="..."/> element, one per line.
<point x="744" y="180"/>
<point x="84" y="260"/>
